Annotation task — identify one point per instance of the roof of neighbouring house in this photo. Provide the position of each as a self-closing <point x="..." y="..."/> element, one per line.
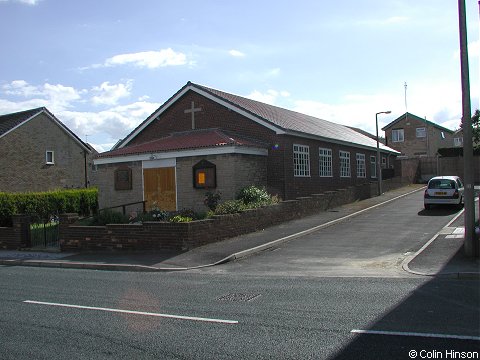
<point x="186" y="140"/>
<point x="280" y="120"/>
<point x="409" y="115"/>
<point x="10" y="122"/>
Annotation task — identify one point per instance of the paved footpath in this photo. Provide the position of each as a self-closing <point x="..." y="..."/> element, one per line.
<point x="442" y="255"/>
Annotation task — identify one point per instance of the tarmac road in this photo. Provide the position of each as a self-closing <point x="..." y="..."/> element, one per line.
<point x="374" y="243"/>
<point x="337" y="293"/>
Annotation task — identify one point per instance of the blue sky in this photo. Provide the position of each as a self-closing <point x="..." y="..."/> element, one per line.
<point x="103" y="66"/>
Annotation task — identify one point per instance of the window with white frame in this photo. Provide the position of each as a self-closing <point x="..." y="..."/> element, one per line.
<point x="344" y="164"/>
<point x="398" y="135"/>
<point x="325" y="162"/>
<point x="301" y="160"/>
<point x="373" y="166"/>
<point x="384" y="162"/>
<point x="421" y="132"/>
<point x="458" y="141"/>
<point x="361" y="168"/>
<point x="49" y="157"/>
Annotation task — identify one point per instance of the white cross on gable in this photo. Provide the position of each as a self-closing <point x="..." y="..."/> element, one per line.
<point x="193" y="110"/>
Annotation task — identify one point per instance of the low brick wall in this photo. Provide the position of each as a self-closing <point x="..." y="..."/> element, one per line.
<point x="184" y="236"/>
<point x="17" y="236"/>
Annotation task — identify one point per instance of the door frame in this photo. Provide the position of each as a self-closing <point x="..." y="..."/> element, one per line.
<point x="157" y="164"/>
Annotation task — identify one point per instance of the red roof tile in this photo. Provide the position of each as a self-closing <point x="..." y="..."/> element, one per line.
<point x="194" y="139"/>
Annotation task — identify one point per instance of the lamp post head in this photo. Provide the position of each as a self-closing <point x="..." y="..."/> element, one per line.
<point x="384" y="112"/>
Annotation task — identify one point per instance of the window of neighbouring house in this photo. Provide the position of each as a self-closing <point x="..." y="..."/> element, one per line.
<point x="325" y="162"/>
<point x="345" y="164"/>
<point x="373" y="166"/>
<point x="458" y="142"/>
<point x="398" y="135"/>
<point x="384" y="162"/>
<point x="123" y="178"/>
<point x="49" y="157"/>
<point x="361" y="168"/>
<point x="204" y="175"/>
<point x="421" y="132"/>
<point x="301" y="160"/>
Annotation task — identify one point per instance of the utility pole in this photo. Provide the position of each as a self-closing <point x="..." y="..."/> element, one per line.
<point x="470" y="244"/>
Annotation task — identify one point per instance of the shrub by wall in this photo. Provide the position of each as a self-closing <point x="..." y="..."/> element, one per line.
<point x="42" y="205"/>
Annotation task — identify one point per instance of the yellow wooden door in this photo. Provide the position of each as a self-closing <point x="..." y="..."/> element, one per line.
<point x="159" y="188"/>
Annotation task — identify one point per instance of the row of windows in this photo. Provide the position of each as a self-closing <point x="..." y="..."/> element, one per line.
<point x="301" y="163"/>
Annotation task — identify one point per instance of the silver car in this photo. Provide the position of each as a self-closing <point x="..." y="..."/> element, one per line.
<point x="444" y="190"/>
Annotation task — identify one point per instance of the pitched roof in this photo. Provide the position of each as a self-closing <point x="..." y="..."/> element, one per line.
<point x="280" y="120"/>
<point x="9" y="122"/>
<point x="187" y="140"/>
<point x="407" y="114"/>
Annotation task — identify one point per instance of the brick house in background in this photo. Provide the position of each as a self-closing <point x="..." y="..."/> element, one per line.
<point x="39" y="153"/>
<point x="416" y="137"/>
<point x="205" y="139"/>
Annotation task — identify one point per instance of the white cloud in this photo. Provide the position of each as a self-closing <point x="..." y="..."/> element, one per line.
<point x="236" y="53"/>
<point x="148" y="59"/>
<point x="115" y="123"/>
<point x="21" y="88"/>
<point x="438" y="102"/>
<point x="110" y="94"/>
<point x="110" y="124"/>
<point x="270" y="97"/>
<point x="28" y="2"/>
<point x="57" y="96"/>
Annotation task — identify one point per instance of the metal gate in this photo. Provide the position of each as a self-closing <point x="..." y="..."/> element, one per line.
<point x="45" y="235"/>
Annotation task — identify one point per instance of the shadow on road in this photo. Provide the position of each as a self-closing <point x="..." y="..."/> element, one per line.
<point x="440" y="306"/>
<point x="444" y="210"/>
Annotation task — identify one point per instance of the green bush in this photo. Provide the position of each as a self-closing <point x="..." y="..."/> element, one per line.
<point x="186" y="213"/>
<point x="230" y="207"/>
<point x="42" y="205"/>
<point x="180" y="219"/>
<point x="254" y="195"/>
<point x="212" y="199"/>
<point x="109" y="216"/>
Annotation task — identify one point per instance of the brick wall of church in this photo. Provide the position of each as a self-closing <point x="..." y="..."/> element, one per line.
<point x="234" y="171"/>
<point x="314" y="184"/>
<point x="103" y="177"/>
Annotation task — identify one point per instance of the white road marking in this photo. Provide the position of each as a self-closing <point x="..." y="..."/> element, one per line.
<point x="178" y="317"/>
<point x="415" y="334"/>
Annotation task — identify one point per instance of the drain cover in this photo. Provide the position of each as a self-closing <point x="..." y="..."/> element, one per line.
<point x="238" y="297"/>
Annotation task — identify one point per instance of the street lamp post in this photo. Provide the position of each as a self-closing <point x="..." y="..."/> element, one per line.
<point x="379" y="169"/>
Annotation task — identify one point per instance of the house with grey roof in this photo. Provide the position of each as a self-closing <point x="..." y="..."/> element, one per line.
<point x="203" y="139"/>
<point x="39" y="153"/>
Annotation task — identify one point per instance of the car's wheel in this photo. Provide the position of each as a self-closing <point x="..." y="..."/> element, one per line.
<point x="460" y="204"/>
<point x="427" y="206"/>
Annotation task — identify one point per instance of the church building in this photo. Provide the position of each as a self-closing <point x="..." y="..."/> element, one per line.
<point x="203" y="139"/>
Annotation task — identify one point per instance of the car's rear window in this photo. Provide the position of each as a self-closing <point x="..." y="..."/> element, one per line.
<point x="441" y="184"/>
